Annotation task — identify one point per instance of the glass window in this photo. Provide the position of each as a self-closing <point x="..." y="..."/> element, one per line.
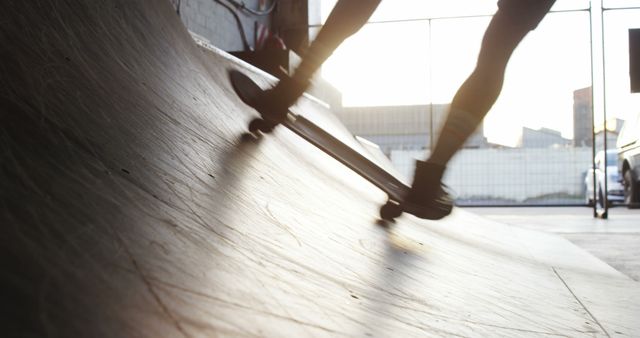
<point x="620" y="3"/>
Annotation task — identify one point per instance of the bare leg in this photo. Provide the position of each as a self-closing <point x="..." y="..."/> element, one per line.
<point x="511" y="23"/>
<point x="346" y="18"/>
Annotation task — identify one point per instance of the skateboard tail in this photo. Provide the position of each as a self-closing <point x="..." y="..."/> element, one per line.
<point x="246" y="89"/>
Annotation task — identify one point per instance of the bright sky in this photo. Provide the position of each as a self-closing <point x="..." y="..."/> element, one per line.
<point x="414" y="62"/>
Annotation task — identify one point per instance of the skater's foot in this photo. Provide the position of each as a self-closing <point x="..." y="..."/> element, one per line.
<point x="274" y="103"/>
<point x="271" y="106"/>
<point x="428" y="197"/>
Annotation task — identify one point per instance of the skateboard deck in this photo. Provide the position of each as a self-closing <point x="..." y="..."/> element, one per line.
<point x="247" y="90"/>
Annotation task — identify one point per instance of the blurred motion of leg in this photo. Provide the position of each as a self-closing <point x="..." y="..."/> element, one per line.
<point x="510" y="24"/>
<point x="346" y="18"/>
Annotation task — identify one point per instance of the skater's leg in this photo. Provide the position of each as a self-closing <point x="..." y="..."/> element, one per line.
<point x="513" y="20"/>
<point x="511" y="23"/>
<point x="346" y="18"/>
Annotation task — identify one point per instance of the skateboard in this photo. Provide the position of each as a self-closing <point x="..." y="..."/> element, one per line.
<point x="247" y="90"/>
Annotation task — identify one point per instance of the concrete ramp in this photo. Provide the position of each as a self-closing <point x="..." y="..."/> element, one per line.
<point x="132" y="206"/>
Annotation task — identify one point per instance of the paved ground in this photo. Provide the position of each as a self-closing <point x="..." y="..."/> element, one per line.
<point x="616" y="240"/>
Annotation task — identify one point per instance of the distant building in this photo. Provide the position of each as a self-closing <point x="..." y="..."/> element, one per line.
<point x="414" y="127"/>
<point x="582" y="118"/>
<point x="542" y="138"/>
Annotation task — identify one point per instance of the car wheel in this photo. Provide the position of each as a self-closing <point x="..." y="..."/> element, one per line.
<point x="630" y="190"/>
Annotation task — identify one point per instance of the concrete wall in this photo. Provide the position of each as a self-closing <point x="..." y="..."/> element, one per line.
<point x="508" y="176"/>
<point x="216" y="23"/>
<point x="291" y="21"/>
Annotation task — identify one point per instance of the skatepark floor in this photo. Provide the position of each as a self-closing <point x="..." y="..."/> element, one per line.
<point x="616" y="240"/>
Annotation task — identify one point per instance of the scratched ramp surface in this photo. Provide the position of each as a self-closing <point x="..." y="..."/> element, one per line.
<point x="131" y="206"/>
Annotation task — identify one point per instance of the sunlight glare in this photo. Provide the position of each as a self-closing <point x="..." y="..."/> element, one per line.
<point x="383" y="64"/>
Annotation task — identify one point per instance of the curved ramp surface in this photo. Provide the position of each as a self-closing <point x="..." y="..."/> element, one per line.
<point x="131" y="206"/>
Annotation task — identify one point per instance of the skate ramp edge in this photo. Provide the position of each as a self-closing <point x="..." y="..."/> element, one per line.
<point x="132" y="205"/>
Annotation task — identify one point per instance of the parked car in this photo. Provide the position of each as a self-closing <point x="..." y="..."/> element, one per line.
<point x="614" y="186"/>
<point x="629" y="161"/>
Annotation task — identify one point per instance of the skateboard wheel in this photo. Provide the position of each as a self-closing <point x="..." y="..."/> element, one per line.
<point x="390" y="211"/>
<point x="267" y="127"/>
<point x="256" y="125"/>
<point x="260" y="125"/>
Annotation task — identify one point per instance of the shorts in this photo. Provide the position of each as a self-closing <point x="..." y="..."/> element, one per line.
<point x="525" y="14"/>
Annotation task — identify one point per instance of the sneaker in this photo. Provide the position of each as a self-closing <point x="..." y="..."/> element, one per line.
<point x="271" y="106"/>
<point x="428" y="197"/>
<point x="274" y="103"/>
